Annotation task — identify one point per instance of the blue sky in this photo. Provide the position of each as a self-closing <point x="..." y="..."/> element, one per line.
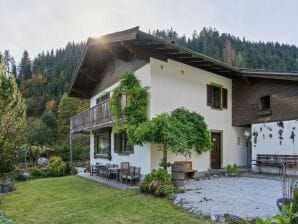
<point x="38" y="25"/>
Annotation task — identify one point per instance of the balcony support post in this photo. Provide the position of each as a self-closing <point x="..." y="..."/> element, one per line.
<point x="70" y="150"/>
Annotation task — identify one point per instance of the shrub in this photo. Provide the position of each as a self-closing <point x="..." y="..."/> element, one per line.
<point x="70" y="169"/>
<point x="57" y="167"/>
<point x="39" y="172"/>
<point x="158" y="183"/>
<point x="5" y="220"/>
<point x="36" y="172"/>
<point x="232" y="170"/>
<point x="295" y="196"/>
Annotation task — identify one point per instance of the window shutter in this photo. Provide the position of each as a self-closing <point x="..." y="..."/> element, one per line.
<point x="209" y="95"/>
<point x="128" y="147"/>
<point x="116" y="142"/>
<point x="224" y="98"/>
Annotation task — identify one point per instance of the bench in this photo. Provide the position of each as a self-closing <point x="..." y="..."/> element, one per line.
<point x="279" y="161"/>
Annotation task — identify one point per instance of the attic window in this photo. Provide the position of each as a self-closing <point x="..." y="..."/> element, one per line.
<point x="265" y="103"/>
<point x="103" y="98"/>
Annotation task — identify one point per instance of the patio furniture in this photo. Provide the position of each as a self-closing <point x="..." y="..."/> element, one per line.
<point x="94" y="170"/>
<point x="134" y="175"/>
<point x="102" y="170"/>
<point x="123" y="171"/>
<point x="113" y="170"/>
<point x="279" y="161"/>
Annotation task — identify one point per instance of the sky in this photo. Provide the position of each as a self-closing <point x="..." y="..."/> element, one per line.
<point x="38" y="25"/>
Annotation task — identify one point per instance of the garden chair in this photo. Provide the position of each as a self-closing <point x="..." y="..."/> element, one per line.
<point x="94" y="170"/>
<point x="134" y="175"/>
<point x="124" y="169"/>
<point x="113" y="171"/>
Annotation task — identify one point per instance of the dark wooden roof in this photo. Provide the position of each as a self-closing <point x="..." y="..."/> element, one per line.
<point x="98" y="51"/>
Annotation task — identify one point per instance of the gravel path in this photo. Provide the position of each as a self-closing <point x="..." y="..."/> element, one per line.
<point x="239" y="196"/>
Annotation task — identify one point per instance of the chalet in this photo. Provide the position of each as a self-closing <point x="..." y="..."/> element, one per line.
<point x="239" y="106"/>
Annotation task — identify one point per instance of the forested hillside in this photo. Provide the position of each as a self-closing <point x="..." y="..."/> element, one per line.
<point x="235" y="51"/>
<point x="44" y="80"/>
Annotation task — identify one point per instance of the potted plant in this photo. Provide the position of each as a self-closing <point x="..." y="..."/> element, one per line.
<point x="6" y="185"/>
<point x="232" y="170"/>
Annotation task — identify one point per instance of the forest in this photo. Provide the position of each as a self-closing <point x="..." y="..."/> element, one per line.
<point x="43" y="80"/>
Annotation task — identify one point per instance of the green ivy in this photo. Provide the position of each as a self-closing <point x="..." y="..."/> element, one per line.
<point x="135" y="111"/>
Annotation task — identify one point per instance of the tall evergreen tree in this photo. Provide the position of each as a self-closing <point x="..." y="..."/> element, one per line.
<point x="25" y="67"/>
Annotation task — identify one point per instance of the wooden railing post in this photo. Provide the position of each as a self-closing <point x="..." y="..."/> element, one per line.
<point x="92" y="117"/>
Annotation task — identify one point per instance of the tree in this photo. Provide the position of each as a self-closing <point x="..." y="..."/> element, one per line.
<point x="181" y="131"/>
<point x="25" y="67"/>
<point x="39" y="134"/>
<point x="7" y="60"/>
<point x="13" y="67"/>
<point x="13" y="120"/>
<point x="229" y="54"/>
<point x="50" y="106"/>
<point x="67" y="108"/>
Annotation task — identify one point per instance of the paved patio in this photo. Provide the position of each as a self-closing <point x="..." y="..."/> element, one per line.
<point x="244" y="197"/>
<point x="111" y="183"/>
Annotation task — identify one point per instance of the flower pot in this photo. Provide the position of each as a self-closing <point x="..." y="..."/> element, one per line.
<point x="4" y="188"/>
<point x="282" y="201"/>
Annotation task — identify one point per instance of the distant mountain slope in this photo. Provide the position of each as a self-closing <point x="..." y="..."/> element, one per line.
<point x="236" y="51"/>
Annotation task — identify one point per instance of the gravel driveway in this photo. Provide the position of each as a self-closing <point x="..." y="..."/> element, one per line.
<point x="239" y="196"/>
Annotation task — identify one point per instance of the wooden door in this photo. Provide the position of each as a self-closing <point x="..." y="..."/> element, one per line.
<point x="216" y="151"/>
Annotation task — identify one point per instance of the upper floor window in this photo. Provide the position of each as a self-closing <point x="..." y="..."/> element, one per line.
<point x="121" y="144"/>
<point x="103" y="98"/>
<point x="217" y="97"/>
<point x="265" y="103"/>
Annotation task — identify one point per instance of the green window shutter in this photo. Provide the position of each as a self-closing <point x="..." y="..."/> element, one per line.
<point x="117" y="142"/>
<point x="209" y="95"/>
<point x="224" y="98"/>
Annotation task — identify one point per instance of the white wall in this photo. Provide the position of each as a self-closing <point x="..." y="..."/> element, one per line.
<point x="282" y="144"/>
<point x="171" y="89"/>
<point x="141" y="155"/>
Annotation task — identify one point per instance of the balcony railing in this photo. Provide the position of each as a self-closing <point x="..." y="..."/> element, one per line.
<point x="87" y="120"/>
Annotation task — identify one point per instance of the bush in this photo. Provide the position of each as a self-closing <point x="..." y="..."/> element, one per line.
<point x="232" y="170"/>
<point x="71" y="169"/>
<point x="57" y="167"/>
<point x="158" y="183"/>
<point x="39" y="172"/>
<point x="5" y="220"/>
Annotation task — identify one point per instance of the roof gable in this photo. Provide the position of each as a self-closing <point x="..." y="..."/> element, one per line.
<point x="133" y="42"/>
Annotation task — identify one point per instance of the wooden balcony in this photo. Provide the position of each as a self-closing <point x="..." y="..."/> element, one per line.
<point x="88" y="120"/>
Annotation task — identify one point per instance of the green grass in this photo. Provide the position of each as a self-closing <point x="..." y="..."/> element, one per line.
<point x="76" y="200"/>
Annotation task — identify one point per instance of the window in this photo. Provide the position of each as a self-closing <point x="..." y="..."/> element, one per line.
<point x="265" y="103"/>
<point x="217" y="97"/>
<point x="121" y="144"/>
<point x="103" y="98"/>
<point x="102" y="143"/>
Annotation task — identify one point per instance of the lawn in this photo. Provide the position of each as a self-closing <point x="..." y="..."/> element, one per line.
<point x="73" y="199"/>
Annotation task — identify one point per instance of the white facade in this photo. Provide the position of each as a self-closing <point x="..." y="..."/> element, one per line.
<point x="172" y="85"/>
<point x="276" y="138"/>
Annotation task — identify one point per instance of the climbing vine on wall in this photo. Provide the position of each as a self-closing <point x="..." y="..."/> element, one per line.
<point x="135" y="97"/>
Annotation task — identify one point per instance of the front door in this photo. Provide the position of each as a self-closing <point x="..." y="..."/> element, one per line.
<point x="216" y="151"/>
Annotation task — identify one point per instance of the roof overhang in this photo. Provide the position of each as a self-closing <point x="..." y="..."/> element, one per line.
<point x="143" y="45"/>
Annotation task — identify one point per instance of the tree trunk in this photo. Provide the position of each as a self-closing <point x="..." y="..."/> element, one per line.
<point x="165" y="158"/>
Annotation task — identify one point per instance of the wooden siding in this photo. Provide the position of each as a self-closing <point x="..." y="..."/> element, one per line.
<point x="121" y="67"/>
<point x="246" y="93"/>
